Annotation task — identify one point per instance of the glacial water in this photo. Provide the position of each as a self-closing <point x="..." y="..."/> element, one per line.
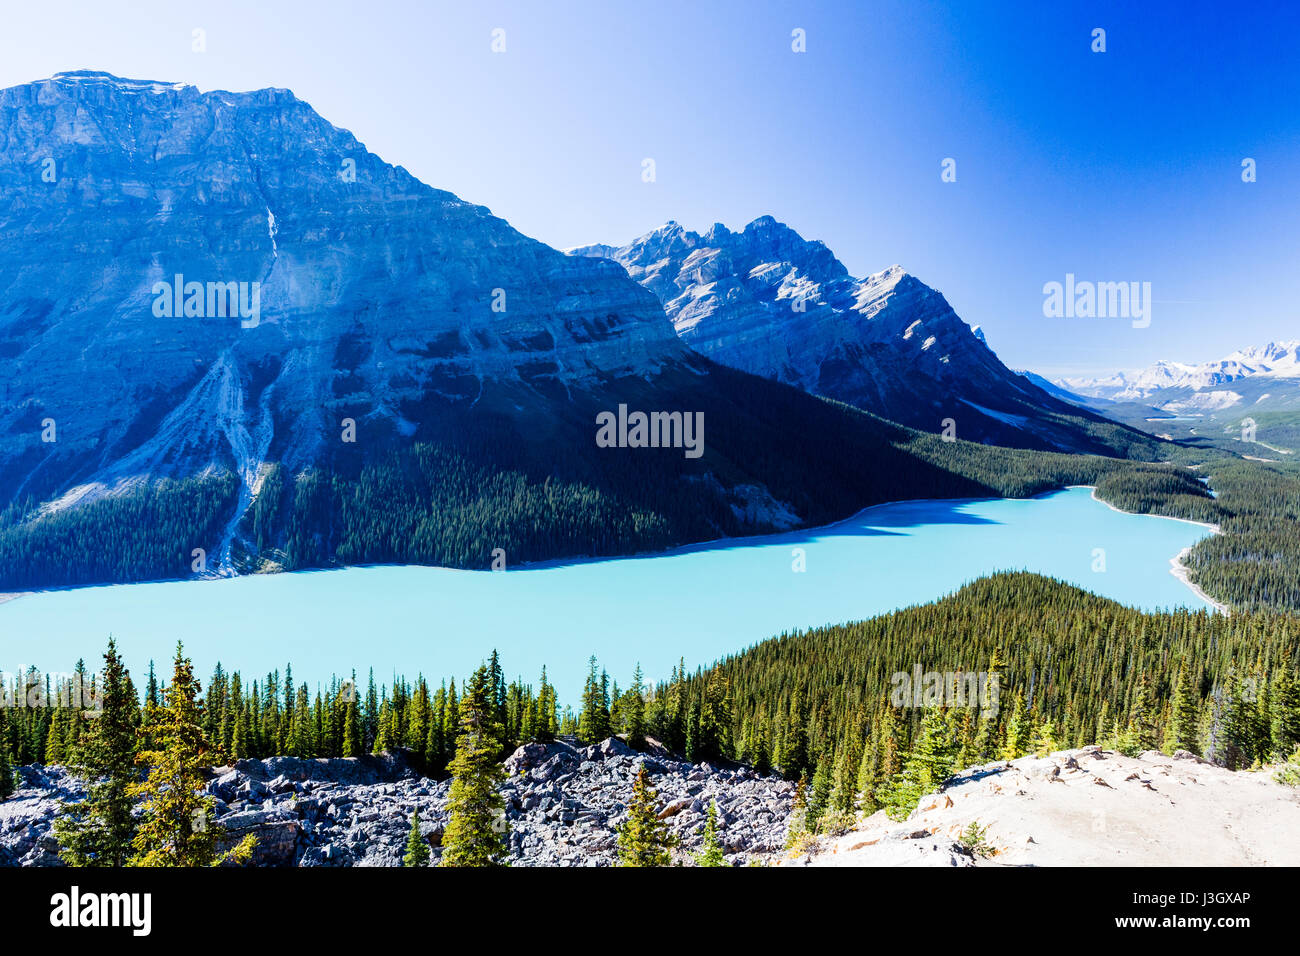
<point x="699" y="603"/>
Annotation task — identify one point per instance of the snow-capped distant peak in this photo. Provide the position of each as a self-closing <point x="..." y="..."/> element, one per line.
<point x="1279" y="359"/>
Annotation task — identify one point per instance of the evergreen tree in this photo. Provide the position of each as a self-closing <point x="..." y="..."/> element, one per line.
<point x="797" y="823"/>
<point x="844" y="790"/>
<point x="1018" y="732"/>
<point x="1140" y="734"/>
<point x="98" y="831"/>
<point x="7" y="784"/>
<point x="634" y="711"/>
<point x="177" y="827"/>
<point x="476" y="834"/>
<point x="1045" y="739"/>
<point x="930" y="762"/>
<point x="1284" y="728"/>
<point x="417" y="847"/>
<point x="643" y="838"/>
<point x="710" y="853"/>
<point x="819" y="798"/>
<point x="352" y="743"/>
<point x="1237" y="746"/>
<point x="593" y="721"/>
<point x="1180" y="731"/>
<point x="715" y="723"/>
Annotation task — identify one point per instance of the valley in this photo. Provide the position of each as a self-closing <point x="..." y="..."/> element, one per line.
<point x="389" y="435"/>
<point x="699" y="602"/>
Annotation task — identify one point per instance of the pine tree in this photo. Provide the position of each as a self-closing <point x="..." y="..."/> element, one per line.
<point x="866" y="782"/>
<point x="417" y="847"/>
<point x="98" y="831"/>
<point x="1018" y="732"/>
<point x="715" y="720"/>
<point x="710" y="853"/>
<point x="1284" y="727"/>
<point x="930" y="762"/>
<point x="352" y="745"/>
<point x="476" y="834"/>
<point x="7" y="784"/>
<point x="1140" y="734"/>
<point x="1044" y="742"/>
<point x="844" y="790"/>
<point x="593" y="722"/>
<point x="819" y="799"/>
<point x="1180" y="731"/>
<point x="1237" y="744"/>
<point x="634" y="711"/>
<point x="177" y="827"/>
<point x="797" y="822"/>
<point x="643" y="838"/>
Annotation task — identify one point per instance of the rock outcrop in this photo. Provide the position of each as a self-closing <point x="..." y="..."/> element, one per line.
<point x="1086" y="807"/>
<point x="563" y="807"/>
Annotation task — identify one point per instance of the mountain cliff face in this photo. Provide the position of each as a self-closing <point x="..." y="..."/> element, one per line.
<point x="767" y="301"/>
<point x="374" y="291"/>
<point x="229" y="331"/>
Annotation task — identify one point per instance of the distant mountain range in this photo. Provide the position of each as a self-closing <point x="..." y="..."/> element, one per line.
<point x="767" y="301"/>
<point x="1264" y="378"/>
<point x="233" y="338"/>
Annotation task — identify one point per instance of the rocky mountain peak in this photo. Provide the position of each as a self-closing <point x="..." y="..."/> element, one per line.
<point x="768" y="301"/>
<point x="373" y="291"/>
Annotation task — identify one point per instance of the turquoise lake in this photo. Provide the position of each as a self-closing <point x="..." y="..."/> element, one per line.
<point x="700" y="602"/>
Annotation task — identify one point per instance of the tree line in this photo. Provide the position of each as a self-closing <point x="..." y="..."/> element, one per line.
<point x="1066" y="668"/>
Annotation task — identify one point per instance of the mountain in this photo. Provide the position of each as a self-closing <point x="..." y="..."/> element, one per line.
<point x="767" y="301"/>
<point x="1058" y="391"/>
<point x="231" y="338"/>
<point x="1277" y="362"/>
<point x="1257" y="387"/>
<point x="376" y="291"/>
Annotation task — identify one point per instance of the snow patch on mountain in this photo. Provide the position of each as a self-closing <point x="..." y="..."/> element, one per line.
<point x="1274" y="360"/>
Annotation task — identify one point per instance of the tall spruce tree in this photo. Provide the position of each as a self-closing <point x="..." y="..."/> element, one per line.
<point x="417" y="847"/>
<point x="177" y="827"/>
<point x="634" y="711"/>
<point x="710" y="853"/>
<point x="1180" y="731"/>
<point x="930" y="761"/>
<point x="643" y="838"/>
<point x="476" y="833"/>
<point x="98" y="831"/>
<point x="7" y="783"/>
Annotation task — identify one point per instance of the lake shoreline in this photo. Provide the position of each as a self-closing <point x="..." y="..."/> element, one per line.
<point x="1177" y="567"/>
<point x="1178" y="570"/>
<point x="703" y="602"/>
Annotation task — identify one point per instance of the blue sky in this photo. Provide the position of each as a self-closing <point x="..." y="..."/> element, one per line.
<point x="1115" y="166"/>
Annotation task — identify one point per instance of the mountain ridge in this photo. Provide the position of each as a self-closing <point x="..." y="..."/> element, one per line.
<point x="414" y="380"/>
<point x="769" y="302"/>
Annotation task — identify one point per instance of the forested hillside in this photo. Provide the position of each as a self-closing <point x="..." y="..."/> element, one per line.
<point x="535" y="486"/>
<point x="1255" y="562"/>
<point x="1071" y="669"/>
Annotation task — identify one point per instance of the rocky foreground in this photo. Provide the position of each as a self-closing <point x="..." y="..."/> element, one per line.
<point x="563" y="806"/>
<point x="1086" y="807"/>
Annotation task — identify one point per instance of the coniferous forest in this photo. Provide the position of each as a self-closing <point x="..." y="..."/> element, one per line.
<point x="1059" y="668"/>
